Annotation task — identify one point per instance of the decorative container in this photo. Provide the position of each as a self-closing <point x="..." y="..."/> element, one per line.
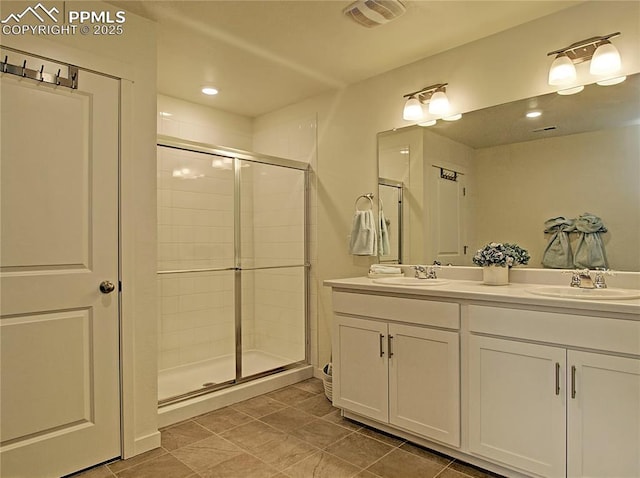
<point x="327" y="381"/>
<point x="495" y="275"/>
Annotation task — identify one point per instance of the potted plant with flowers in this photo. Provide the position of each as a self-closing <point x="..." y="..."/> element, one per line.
<point x="496" y="258"/>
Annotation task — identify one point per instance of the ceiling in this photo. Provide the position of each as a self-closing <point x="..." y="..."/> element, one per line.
<point x="263" y="55"/>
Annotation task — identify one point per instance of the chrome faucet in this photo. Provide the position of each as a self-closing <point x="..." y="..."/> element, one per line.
<point x="582" y="279"/>
<point x="425" y="272"/>
<point x="598" y="280"/>
<point x="421" y="272"/>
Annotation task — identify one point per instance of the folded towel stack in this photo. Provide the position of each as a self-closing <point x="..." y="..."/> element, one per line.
<point x="378" y="270"/>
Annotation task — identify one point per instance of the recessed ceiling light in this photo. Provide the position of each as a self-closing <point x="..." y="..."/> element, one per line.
<point x="533" y="114"/>
<point x="209" y="90"/>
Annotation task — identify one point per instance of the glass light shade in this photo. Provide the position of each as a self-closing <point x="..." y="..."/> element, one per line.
<point x="606" y="60"/>
<point x="428" y="123"/>
<point x="611" y="81"/>
<point x="455" y="117"/>
<point x="562" y="71"/>
<point x="412" y="109"/>
<point x="439" y="104"/>
<point x="571" y="91"/>
<point x="209" y="90"/>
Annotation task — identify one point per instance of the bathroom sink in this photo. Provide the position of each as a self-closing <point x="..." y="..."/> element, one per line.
<point x="565" y="292"/>
<point x="410" y="281"/>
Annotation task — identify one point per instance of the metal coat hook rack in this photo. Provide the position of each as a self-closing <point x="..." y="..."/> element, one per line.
<point x="40" y="75"/>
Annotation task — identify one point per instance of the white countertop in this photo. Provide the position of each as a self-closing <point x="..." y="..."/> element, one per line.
<point x="513" y="293"/>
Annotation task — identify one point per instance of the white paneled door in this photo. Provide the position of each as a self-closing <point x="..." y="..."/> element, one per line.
<point x="59" y="331"/>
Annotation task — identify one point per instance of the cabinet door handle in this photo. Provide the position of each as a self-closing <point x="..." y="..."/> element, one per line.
<point x="557" y="378"/>
<point x="389" y="345"/>
<point x="573" y="381"/>
<point x="381" y="341"/>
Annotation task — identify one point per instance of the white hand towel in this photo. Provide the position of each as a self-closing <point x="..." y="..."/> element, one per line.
<point x="383" y="239"/>
<point x="380" y="269"/>
<point x="364" y="240"/>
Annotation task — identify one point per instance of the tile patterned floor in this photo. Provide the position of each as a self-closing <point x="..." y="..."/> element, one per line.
<point x="292" y="432"/>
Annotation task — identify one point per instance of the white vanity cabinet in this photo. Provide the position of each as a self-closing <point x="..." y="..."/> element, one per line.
<point x="390" y="363"/>
<point x="523" y="385"/>
<point x="517" y="404"/>
<point x="549" y="409"/>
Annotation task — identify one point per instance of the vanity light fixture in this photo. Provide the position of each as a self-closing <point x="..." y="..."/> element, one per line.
<point x="435" y="96"/>
<point x="571" y="91"/>
<point x="455" y="117"/>
<point x="604" y="57"/>
<point x="427" y="123"/>
<point x="534" y="114"/>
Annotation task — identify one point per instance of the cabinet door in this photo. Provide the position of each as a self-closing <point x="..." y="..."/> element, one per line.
<point x="424" y="382"/>
<point x="360" y="367"/>
<point x="604" y="416"/>
<point x="517" y="404"/>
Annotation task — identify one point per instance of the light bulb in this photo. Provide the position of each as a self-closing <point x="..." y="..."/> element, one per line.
<point x="606" y="60"/>
<point x="562" y="71"/>
<point x="439" y="104"/>
<point x="412" y="109"/>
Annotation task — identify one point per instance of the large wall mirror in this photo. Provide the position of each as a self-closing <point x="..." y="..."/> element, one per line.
<point x="497" y="175"/>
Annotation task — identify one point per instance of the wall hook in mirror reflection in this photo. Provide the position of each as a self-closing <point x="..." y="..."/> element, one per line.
<point x="24" y="68"/>
<point x="4" y="63"/>
<point x="58" y="77"/>
<point x="42" y="73"/>
<point x="450" y="175"/>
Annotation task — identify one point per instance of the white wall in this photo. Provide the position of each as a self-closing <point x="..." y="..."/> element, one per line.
<point x="504" y="67"/>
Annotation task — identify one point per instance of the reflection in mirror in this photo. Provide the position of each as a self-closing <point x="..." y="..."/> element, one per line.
<point x="390" y="210"/>
<point x="513" y="173"/>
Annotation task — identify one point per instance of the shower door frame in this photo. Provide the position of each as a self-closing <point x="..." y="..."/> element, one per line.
<point x="239" y="155"/>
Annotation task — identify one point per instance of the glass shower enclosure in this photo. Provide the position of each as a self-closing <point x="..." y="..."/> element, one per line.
<point x="232" y="267"/>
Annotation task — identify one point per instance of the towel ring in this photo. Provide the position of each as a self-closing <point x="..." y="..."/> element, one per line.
<point x="368" y="196"/>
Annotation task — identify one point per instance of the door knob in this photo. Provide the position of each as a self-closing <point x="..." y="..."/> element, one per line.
<point x="107" y="287"/>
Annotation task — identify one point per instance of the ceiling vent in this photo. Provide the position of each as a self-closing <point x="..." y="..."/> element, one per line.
<point x="371" y="13"/>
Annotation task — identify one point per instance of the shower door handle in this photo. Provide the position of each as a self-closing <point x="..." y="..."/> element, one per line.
<point x="107" y="287"/>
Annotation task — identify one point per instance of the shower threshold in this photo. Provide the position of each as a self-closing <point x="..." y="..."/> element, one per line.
<point x="177" y="381"/>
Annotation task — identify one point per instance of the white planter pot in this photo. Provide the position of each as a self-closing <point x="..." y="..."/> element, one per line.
<point x="495" y="275"/>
